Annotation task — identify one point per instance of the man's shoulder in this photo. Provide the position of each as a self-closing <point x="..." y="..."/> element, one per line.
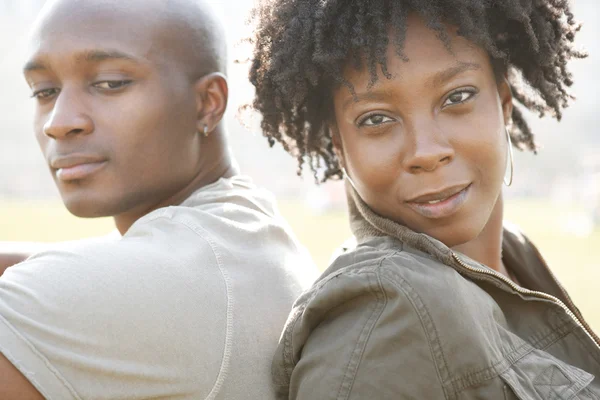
<point x="235" y="193"/>
<point x="235" y="218"/>
<point x="149" y="250"/>
<point x="228" y="207"/>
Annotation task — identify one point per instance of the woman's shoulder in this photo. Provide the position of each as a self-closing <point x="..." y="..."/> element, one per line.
<point x="383" y="256"/>
<point x="372" y="271"/>
<point x="344" y="318"/>
<point x="383" y="273"/>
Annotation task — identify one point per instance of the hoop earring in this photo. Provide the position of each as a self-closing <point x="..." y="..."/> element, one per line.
<point x="347" y="177"/>
<point x="511" y="161"/>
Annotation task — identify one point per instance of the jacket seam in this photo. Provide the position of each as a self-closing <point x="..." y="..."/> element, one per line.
<point x="348" y="271"/>
<point x="359" y="349"/>
<point x="288" y="337"/>
<point x="288" y="334"/>
<point x="557" y="333"/>
<point x="477" y="377"/>
<point x="288" y="345"/>
<point x="416" y="299"/>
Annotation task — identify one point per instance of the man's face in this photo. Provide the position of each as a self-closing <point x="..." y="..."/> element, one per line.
<point x="115" y="115"/>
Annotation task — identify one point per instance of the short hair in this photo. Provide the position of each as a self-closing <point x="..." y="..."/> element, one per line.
<point x="302" y="46"/>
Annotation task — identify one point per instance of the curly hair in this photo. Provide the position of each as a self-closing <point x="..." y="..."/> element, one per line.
<point x="301" y="47"/>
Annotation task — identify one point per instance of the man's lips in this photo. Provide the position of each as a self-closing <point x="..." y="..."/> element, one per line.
<point x="76" y="166"/>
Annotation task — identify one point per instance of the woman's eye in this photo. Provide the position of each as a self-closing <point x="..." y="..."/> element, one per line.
<point x="459" y="97"/>
<point x="376" y="119"/>
<point x="44" y="93"/>
<point x="112" y="85"/>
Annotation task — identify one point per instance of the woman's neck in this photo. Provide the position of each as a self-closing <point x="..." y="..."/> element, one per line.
<point x="487" y="247"/>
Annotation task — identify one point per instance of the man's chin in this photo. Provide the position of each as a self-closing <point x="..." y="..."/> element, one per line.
<point x="86" y="208"/>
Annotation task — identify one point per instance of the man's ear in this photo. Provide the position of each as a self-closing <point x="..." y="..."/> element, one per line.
<point x="506" y="99"/>
<point x="212" y="93"/>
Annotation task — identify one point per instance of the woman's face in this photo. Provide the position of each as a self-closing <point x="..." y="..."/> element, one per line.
<point x="427" y="148"/>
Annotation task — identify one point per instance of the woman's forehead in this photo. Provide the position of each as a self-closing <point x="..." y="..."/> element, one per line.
<point x="424" y="56"/>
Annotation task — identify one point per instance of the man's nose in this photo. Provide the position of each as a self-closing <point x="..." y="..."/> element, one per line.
<point x="68" y="117"/>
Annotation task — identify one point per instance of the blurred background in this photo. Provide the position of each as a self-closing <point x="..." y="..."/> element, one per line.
<point x="555" y="197"/>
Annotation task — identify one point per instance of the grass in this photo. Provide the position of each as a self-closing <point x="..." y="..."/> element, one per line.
<point x="574" y="259"/>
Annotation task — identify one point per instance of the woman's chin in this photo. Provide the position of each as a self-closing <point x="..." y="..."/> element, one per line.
<point x="455" y="236"/>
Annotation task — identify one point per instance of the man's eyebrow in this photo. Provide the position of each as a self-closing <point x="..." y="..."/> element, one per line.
<point x="444" y="76"/>
<point x="89" y="56"/>
<point x="34" y="66"/>
<point x="96" y="56"/>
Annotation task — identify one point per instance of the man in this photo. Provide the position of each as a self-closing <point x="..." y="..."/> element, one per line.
<point x="189" y="303"/>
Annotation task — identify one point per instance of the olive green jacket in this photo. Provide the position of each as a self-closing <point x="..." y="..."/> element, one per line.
<point x="402" y="316"/>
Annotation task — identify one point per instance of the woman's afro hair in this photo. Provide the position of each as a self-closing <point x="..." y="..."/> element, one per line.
<point x="301" y="47"/>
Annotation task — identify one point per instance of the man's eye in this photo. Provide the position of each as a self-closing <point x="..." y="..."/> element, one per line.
<point x="44" y="93"/>
<point x="458" y="97"/>
<point x="375" y="119"/>
<point x="112" y="85"/>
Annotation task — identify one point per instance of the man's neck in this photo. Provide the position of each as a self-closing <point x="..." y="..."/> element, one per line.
<point x="217" y="164"/>
<point x="487" y="247"/>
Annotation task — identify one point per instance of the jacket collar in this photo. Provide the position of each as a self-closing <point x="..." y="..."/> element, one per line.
<point x="520" y="255"/>
<point x="365" y="224"/>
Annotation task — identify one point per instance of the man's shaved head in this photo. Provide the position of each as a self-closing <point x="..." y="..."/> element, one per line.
<point x="186" y="31"/>
<point x="129" y="95"/>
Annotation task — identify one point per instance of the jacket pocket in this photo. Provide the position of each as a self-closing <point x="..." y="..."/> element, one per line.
<point x="540" y="376"/>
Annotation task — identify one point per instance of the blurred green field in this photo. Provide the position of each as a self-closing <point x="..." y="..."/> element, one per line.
<point x="575" y="259"/>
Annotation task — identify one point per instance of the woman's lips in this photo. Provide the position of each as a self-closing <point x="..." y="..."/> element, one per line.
<point x="78" y="171"/>
<point x="441" y="208"/>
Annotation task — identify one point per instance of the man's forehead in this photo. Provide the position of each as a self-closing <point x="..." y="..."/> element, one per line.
<point x="81" y="8"/>
<point x="89" y="22"/>
<point x="88" y="32"/>
<point x="176" y="31"/>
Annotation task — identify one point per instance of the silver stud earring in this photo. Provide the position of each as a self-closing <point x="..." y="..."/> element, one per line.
<point x="205" y="133"/>
<point x="510" y="160"/>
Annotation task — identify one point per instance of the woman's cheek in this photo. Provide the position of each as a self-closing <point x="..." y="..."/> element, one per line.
<point x="376" y="163"/>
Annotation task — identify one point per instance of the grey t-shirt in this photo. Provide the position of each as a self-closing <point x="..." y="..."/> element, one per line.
<point x="189" y="304"/>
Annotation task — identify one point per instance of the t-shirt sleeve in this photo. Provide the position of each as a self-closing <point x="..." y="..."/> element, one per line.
<point x="122" y="320"/>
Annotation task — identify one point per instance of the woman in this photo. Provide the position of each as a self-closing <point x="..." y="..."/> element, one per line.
<point x="416" y="103"/>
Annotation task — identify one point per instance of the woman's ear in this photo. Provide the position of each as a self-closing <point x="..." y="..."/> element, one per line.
<point x="506" y="99"/>
<point x="336" y="140"/>
<point x="212" y="93"/>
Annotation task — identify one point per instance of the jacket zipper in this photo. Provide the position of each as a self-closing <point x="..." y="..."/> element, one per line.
<point x="541" y="295"/>
<point x="570" y="303"/>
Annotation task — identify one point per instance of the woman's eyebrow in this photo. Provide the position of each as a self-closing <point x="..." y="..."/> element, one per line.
<point x="380" y="94"/>
<point x="444" y="76"/>
<point x="438" y="79"/>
